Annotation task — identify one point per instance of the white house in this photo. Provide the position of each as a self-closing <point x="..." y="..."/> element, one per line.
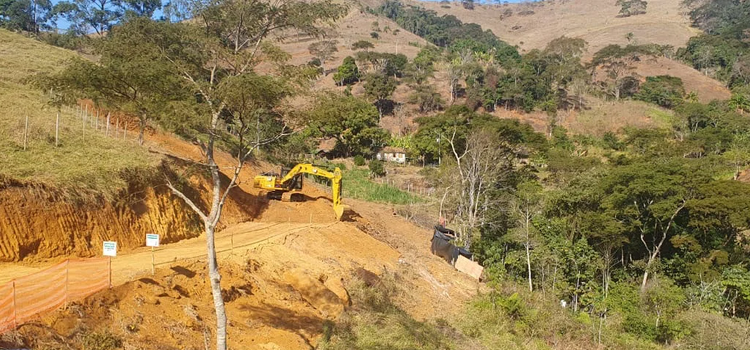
<point x="392" y="154"/>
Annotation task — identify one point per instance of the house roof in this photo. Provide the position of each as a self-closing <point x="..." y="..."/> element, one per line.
<point x="390" y="149"/>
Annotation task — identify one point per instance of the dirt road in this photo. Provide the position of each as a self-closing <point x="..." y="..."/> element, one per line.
<point x="233" y="239"/>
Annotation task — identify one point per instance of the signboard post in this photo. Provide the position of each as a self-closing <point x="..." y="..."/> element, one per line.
<point x="109" y="248"/>
<point x="152" y="240"/>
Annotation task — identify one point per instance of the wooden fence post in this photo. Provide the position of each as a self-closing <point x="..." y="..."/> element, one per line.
<point x="57" y="129"/>
<point x="25" y="133"/>
<point x="107" y="133"/>
<point x="109" y="266"/>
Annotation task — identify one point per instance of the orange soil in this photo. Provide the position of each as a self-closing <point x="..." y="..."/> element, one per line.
<point x="282" y="282"/>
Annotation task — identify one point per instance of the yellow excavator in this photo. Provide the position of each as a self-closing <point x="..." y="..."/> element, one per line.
<point x="286" y="187"/>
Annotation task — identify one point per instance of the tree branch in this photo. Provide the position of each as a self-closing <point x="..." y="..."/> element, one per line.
<point x="187" y="201"/>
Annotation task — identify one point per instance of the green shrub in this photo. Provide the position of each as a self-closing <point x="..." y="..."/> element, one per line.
<point x="100" y="341"/>
<point x="663" y="90"/>
<point x="611" y="141"/>
<point x="359" y="160"/>
<point x="377" y="168"/>
<point x="374" y="35"/>
<point x="713" y="331"/>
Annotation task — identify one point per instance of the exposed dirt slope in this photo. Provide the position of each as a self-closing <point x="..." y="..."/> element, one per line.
<point x="282" y="283"/>
<point x="36" y="221"/>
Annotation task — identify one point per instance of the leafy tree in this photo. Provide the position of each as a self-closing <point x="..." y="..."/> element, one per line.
<point x="24" y="15"/>
<point x="740" y="99"/>
<point x="323" y="50"/>
<point x="618" y="62"/>
<point x="379" y="88"/>
<point x="650" y="200"/>
<point x="377" y="168"/>
<point x="431" y="140"/>
<point x="722" y="50"/>
<point x="362" y="45"/>
<point x="663" y="300"/>
<point x="97" y="15"/>
<point x="632" y="7"/>
<point x="143" y="8"/>
<point x="130" y="77"/>
<point x="347" y="73"/>
<point x="217" y="65"/>
<point x="382" y="62"/>
<point x="663" y="90"/>
<point x="468" y="4"/>
<point x="351" y="121"/>
<point x="422" y="67"/>
<point x="426" y="98"/>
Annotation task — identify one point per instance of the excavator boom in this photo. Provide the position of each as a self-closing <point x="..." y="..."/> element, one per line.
<point x="284" y="184"/>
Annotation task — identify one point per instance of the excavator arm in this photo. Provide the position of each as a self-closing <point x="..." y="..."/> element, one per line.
<point x="283" y="184"/>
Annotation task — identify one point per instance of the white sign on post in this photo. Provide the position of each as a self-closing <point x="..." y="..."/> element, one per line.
<point x="109" y="248"/>
<point x="152" y="240"/>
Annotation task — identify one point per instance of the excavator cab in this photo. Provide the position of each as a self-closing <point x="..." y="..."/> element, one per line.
<point x="286" y="185"/>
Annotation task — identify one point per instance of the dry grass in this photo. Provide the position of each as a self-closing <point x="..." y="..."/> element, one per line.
<point x="595" y="21"/>
<point x="614" y="116"/>
<point x="705" y="87"/>
<point x="85" y="159"/>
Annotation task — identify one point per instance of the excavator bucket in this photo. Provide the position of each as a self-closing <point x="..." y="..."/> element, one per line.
<point x="339" y="211"/>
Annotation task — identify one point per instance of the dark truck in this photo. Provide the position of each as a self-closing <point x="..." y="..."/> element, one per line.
<point x="442" y="245"/>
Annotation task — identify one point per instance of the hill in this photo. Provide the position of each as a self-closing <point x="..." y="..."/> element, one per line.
<point x="531" y="25"/>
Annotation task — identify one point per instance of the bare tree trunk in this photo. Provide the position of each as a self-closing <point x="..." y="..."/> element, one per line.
<point x="654" y="253"/>
<point x="210" y="221"/>
<point x="215" y="278"/>
<point x="528" y="253"/>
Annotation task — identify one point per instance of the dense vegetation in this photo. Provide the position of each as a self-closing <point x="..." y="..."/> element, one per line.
<point x="723" y="51"/>
<point x="446" y="31"/>
<point x="642" y="235"/>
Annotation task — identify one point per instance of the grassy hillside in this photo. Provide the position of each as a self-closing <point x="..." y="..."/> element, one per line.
<point x="85" y="158"/>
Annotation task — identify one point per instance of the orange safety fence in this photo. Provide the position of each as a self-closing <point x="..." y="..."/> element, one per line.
<point x="28" y="297"/>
